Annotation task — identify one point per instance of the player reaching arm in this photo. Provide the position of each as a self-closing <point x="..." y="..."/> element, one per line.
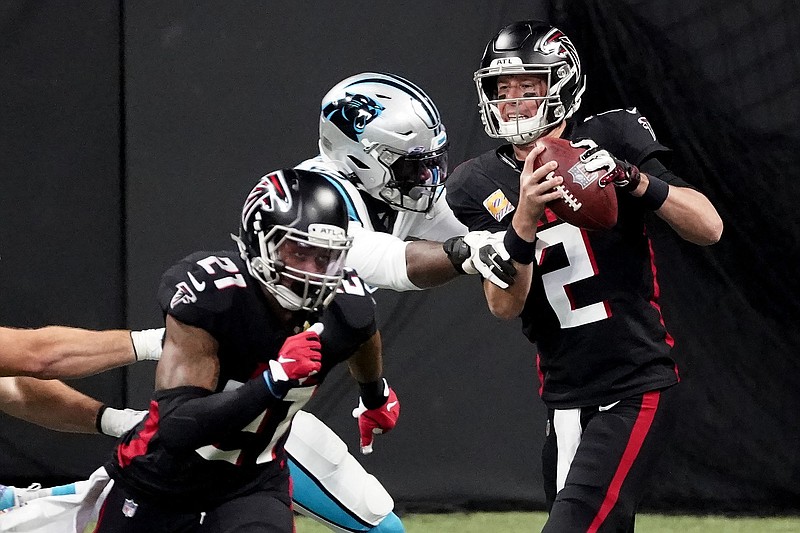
<point x="64" y="352"/>
<point x="383" y="142"/>
<point x="61" y="352"/>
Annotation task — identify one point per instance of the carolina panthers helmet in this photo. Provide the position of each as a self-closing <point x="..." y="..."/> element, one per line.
<point x="530" y="47"/>
<point x="293" y="237"/>
<point x="388" y="132"/>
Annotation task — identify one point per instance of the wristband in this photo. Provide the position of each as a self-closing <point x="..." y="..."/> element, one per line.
<point x="276" y="380"/>
<point x="147" y="344"/>
<point x="374" y="393"/>
<point x="116" y="422"/>
<point x="457" y="252"/>
<point x="520" y="250"/>
<point x="99" y="418"/>
<point x="655" y="194"/>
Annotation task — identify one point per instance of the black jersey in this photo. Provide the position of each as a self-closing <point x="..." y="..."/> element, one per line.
<point x="593" y="306"/>
<point x="215" y="292"/>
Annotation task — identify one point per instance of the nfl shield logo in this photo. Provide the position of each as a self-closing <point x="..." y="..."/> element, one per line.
<point x="580" y="176"/>
<point x="129" y="508"/>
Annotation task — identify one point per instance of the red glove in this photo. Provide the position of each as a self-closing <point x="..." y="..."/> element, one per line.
<point x="298" y="359"/>
<point x="378" y="420"/>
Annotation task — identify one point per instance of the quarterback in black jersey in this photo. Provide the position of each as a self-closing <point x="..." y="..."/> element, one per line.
<point x="588" y="299"/>
<point x="249" y="337"/>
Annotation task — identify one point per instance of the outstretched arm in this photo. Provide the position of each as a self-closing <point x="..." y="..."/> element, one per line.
<point x="428" y="265"/>
<point x="62" y="352"/>
<point x="50" y="403"/>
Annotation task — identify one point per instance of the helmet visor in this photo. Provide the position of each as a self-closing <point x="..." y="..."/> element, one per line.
<point x="416" y="178"/>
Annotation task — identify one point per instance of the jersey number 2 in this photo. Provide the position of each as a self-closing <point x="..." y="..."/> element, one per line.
<point x="557" y="282"/>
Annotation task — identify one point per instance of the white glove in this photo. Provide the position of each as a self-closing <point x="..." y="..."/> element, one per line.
<point x="147" y="344"/>
<point x="116" y="422"/>
<point x="489" y="258"/>
<point x="594" y="158"/>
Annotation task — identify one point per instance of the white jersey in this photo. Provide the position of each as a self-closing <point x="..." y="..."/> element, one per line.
<point x="379" y="254"/>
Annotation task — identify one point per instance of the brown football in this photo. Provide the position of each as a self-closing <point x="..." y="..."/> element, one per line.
<point x="584" y="203"/>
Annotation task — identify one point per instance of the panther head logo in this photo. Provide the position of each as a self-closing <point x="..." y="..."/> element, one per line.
<point x="352" y="113"/>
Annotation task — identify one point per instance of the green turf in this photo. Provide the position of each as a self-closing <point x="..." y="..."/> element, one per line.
<point x="532" y="522"/>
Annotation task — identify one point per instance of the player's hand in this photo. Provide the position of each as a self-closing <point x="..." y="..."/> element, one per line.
<point x="492" y="260"/>
<point x="481" y="252"/>
<point x="536" y="189"/>
<point x="298" y="360"/>
<point x="377" y="420"/>
<point x="621" y="173"/>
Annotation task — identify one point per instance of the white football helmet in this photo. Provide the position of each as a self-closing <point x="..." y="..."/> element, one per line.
<point x="388" y="132"/>
<point x="537" y="48"/>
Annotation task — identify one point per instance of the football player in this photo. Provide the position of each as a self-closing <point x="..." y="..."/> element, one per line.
<point x="588" y="299"/>
<point x="249" y="337"/>
<point x="382" y="141"/>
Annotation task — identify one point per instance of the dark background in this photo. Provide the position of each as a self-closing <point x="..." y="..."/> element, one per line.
<point x="130" y="133"/>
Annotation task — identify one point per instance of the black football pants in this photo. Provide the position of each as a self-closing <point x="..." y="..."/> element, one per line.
<point x="596" y="461"/>
<point x="263" y="511"/>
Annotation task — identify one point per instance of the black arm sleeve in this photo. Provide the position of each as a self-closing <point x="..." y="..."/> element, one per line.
<point x="191" y="417"/>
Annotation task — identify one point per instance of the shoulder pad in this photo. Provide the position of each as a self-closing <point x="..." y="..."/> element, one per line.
<point x="202" y="284"/>
<point x="353" y="305"/>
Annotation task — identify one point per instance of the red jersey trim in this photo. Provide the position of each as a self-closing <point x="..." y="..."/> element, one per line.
<point x="137" y="446"/>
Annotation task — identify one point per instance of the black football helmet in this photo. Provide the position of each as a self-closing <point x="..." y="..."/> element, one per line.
<point x="293" y="214"/>
<point x="530" y="47"/>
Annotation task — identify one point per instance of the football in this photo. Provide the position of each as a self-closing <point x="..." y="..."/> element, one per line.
<point x="584" y="203"/>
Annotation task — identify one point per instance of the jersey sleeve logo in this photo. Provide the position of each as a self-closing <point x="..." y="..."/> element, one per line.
<point x="199" y="286"/>
<point x="498" y="205"/>
<point x="646" y="125"/>
<point x="183" y="295"/>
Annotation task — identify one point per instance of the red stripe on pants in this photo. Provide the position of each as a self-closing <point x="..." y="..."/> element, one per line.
<point x="640" y="429"/>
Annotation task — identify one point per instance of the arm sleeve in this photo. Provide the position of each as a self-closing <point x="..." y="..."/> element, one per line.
<point x="379" y="259"/>
<point x="191" y="417"/>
